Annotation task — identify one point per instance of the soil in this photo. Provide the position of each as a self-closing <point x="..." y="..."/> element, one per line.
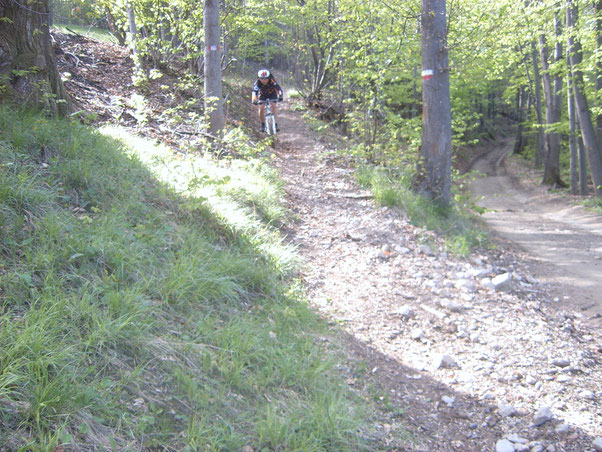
<point x="560" y="239"/>
<point x="450" y="362"/>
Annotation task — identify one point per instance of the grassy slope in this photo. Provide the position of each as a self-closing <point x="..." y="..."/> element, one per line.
<point x="146" y="302"/>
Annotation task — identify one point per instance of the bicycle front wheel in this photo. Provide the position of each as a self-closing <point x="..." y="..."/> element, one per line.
<point x="272" y="125"/>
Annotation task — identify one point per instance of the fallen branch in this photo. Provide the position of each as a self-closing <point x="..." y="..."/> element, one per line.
<point x="351" y="195"/>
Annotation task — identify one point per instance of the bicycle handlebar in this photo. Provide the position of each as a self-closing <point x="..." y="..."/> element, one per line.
<point x="267" y="101"/>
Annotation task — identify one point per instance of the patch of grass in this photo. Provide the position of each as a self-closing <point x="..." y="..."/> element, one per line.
<point x="595" y="204"/>
<point x="145" y="302"/>
<point x="457" y="223"/>
<point x="95" y="33"/>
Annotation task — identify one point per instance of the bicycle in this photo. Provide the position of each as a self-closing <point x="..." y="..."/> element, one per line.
<point x="270" y="120"/>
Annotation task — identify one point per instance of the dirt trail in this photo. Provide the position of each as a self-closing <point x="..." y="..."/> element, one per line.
<point x="454" y="364"/>
<point x="562" y="241"/>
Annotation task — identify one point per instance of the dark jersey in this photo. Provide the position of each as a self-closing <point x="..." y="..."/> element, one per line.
<point x="270" y="90"/>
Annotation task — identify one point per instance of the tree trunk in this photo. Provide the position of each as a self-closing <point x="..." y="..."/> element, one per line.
<point x="521" y="101"/>
<point x="583" y="179"/>
<point x="539" y="154"/>
<point x="585" y="121"/>
<point x="133" y="35"/>
<point x="113" y="27"/>
<point x="213" y="74"/>
<point x="433" y="177"/>
<point x="28" y="72"/>
<point x="572" y="135"/>
<point x="598" y="5"/>
<point x="551" y="174"/>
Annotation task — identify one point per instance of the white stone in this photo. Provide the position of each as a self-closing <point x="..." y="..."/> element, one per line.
<point x="587" y="394"/>
<point x="516" y="439"/>
<point x="449" y="401"/>
<point x="451" y="305"/>
<point x="445" y="361"/>
<point x="543" y="415"/>
<point x="561" y="428"/>
<point x="503" y="282"/>
<point x="405" y="311"/>
<point x="486" y="283"/>
<point x="476" y="272"/>
<point x="503" y="445"/>
<point x="563" y="379"/>
<point x="401" y="250"/>
<point x="507" y="410"/>
<point x="417" y="334"/>
<point x="597" y="444"/>
<point x="561" y="362"/>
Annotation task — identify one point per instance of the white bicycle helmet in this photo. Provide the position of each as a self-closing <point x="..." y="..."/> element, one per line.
<point x="264" y="73"/>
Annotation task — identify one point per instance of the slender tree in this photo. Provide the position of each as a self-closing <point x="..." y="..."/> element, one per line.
<point x="553" y="112"/>
<point x="540" y="153"/>
<point x="213" y="73"/>
<point x="28" y="72"/>
<point x="574" y="171"/>
<point x="434" y="167"/>
<point x="587" y="128"/>
<point x="598" y="6"/>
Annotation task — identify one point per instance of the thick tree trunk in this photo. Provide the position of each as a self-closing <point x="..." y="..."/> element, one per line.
<point x="28" y="72"/>
<point x="434" y="168"/>
<point x="587" y="128"/>
<point x="213" y="73"/>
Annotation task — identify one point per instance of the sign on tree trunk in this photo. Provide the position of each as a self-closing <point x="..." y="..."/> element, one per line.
<point x="434" y="168"/>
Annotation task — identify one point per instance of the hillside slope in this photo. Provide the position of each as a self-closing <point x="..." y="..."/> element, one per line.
<point x="146" y="296"/>
<point x="451" y="363"/>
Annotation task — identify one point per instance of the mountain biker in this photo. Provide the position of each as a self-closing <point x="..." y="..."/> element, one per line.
<point x="266" y="87"/>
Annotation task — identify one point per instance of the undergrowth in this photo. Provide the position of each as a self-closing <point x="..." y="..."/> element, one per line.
<point x="457" y="224"/>
<point x="146" y="303"/>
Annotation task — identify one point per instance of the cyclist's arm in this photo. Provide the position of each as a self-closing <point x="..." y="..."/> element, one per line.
<point x="255" y="93"/>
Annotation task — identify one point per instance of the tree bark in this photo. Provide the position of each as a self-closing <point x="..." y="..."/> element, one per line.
<point x="583" y="179"/>
<point x="585" y="121"/>
<point x="598" y="5"/>
<point x="551" y="174"/>
<point x="572" y="135"/>
<point x="133" y="35"/>
<point x="540" y="152"/>
<point x="433" y="177"/>
<point x="213" y="73"/>
<point x="521" y="108"/>
<point x="113" y="27"/>
<point x="28" y="71"/>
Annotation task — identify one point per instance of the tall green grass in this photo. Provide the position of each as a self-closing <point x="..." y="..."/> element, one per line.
<point x="145" y="303"/>
<point x="458" y="224"/>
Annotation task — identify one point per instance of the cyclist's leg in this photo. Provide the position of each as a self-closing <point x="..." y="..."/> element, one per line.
<point x="261" y="110"/>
